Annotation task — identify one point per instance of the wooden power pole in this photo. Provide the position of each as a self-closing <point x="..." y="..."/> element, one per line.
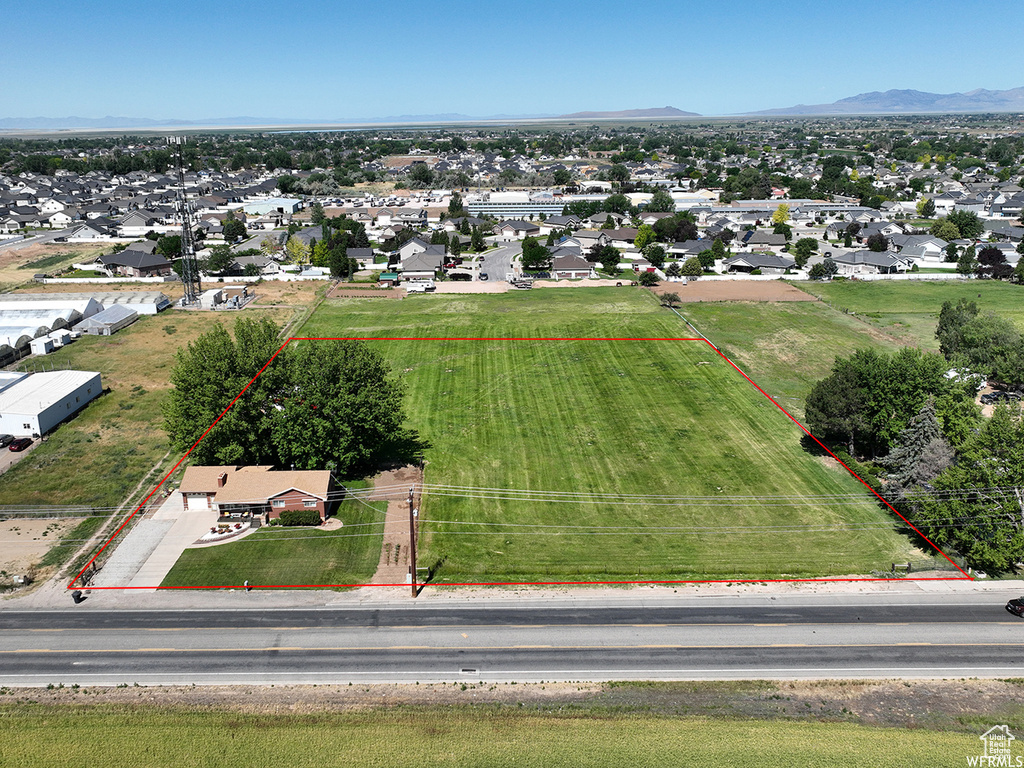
<point x="412" y="542"/>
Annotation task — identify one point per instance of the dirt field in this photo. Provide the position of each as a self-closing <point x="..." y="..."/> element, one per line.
<point x="23" y="542"/>
<point x="734" y="290"/>
<point x="13" y="261"/>
<point x="958" y="705"/>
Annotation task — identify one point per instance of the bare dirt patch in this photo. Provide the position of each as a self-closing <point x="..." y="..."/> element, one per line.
<point x="23" y="542"/>
<point x="347" y="291"/>
<point x="393" y="566"/>
<point x="734" y="290"/>
<point x="966" y="706"/>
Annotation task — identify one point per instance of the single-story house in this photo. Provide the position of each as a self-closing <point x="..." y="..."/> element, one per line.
<point x="515" y="229"/>
<point x="569" y="265"/>
<point x="256" y="491"/>
<point x="424" y="265"/>
<point x="871" y="263"/>
<point x="768" y="263"/>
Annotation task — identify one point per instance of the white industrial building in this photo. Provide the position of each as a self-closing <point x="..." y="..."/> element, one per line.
<point x="33" y="404"/>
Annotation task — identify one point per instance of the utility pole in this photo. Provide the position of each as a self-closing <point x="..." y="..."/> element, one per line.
<point x="412" y="542"/>
<point x="189" y="264"/>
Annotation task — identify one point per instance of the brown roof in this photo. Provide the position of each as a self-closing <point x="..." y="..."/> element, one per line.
<point x="254" y="484"/>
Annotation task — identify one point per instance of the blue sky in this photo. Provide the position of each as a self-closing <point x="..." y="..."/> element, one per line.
<point x="343" y="59"/>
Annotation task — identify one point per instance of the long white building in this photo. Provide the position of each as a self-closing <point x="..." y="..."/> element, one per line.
<point x="33" y="404"/>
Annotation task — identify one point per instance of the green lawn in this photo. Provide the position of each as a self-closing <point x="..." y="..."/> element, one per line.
<point x="787" y="346"/>
<point x="654" y="418"/>
<point x="911" y="308"/>
<point x="54" y="736"/>
<point x="346" y="556"/>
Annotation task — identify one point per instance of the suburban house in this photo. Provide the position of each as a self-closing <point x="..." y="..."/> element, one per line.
<point x="566" y="264"/>
<point x="871" y="263"/>
<point x="256" y="491"/>
<point x="424" y="265"/>
<point x="134" y="263"/>
<point x="767" y="263"/>
<point x="921" y="248"/>
<point x="557" y="223"/>
<point x="516" y="229"/>
<point x="758" y="238"/>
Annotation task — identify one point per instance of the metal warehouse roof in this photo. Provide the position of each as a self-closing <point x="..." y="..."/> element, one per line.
<point x="39" y="391"/>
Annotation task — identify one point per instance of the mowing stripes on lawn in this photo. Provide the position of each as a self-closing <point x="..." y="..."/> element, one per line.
<point x="693" y="434"/>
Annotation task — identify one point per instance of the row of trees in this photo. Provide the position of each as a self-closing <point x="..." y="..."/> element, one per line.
<point x="319" y="405"/>
<point x="958" y="478"/>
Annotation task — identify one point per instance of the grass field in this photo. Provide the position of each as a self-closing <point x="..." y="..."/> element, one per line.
<point x="652" y="418"/>
<point x="910" y="309"/>
<point x="346" y="556"/>
<point x="54" y="736"/>
<point x="112" y="443"/>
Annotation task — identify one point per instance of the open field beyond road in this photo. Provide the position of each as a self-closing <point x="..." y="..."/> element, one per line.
<point x="878" y="724"/>
<point x="648" y="418"/>
<point x="909" y="310"/>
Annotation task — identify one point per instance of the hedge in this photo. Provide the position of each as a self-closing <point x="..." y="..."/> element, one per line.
<point x="300" y="517"/>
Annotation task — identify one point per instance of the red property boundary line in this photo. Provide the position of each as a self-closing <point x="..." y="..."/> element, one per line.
<point x="964" y="577"/>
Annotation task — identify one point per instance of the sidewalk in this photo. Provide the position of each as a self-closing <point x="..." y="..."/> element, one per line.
<point x="149" y="551"/>
<point x="184" y="529"/>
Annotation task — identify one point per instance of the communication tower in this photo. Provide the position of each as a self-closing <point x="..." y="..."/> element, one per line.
<point x="189" y="263"/>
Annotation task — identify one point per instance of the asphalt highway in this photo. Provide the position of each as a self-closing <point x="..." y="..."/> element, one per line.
<point x="720" y="639"/>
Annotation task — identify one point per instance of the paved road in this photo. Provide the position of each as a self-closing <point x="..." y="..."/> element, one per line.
<point x="36" y="239"/>
<point x="721" y="639"/>
<point x="497" y="264"/>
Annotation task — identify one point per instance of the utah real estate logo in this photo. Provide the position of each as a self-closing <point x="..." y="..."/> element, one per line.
<point x="998" y="747"/>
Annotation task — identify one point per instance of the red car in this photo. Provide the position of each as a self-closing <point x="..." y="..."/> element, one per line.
<point x="20" y="444"/>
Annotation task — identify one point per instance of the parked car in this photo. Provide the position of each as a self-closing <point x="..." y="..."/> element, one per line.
<point x="483" y="276"/>
<point x="20" y="444"/>
<point x="5" y="440"/>
<point x="1016" y="606"/>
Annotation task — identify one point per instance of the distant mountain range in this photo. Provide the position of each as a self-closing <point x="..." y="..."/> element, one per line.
<point x="907" y="101"/>
<point x="892" y="102"/>
<point x="628" y="114"/>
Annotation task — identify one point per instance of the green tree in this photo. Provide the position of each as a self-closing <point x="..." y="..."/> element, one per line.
<point x="341" y="407"/>
<point x="422" y="174"/>
<point x="707" y="259"/>
<point x="803" y="249"/>
<point x="670" y="300"/>
<point x="847" y="240"/>
<point x="297" y="251"/>
<point x="464" y="228"/>
<point x="661" y="202"/>
<point x="618" y="173"/>
<point x="952" y="253"/>
<point x="609" y="258"/>
<point x="208" y="374"/>
<point x="967" y="223"/>
<point x="878" y="243"/>
<point x="455" y="206"/>
<point x="219" y="259"/>
<point x="781" y="214"/>
<point x="925" y="208"/>
<point x="945" y="230"/>
<point x="535" y="256"/>
<point x="477" y="242"/>
<point x="234" y="230"/>
<point x="317" y="213"/>
<point x="975" y="507"/>
<point x="673" y="270"/>
<point x="919" y="452"/>
<point x="783" y="229"/>
<point x="692" y="268"/>
<point x="655" y="254"/>
<point x="169" y="246"/>
<point x="644" y="236"/>
<point x="648" y="279"/>
<point x="616" y="204"/>
<point x="562" y="177"/>
<point x="967" y="263"/>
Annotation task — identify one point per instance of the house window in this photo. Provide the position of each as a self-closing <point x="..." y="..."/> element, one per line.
<point x="278" y="503"/>
<point x="309" y="503"/>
